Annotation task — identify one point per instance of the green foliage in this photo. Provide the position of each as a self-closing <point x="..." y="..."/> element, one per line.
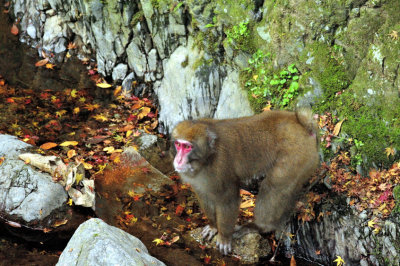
<point x="238" y="35"/>
<point x="280" y="88"/>
<point x="396" y="195"/>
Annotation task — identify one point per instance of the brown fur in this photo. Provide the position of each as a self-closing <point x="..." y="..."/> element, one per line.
<point x="276" y="150"/>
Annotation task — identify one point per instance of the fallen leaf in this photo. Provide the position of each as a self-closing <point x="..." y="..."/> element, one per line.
<point x="69" y="143"/>
<point x="117" y="90"/>
<point x="337" y="128"/>
<point x="48" y="145"/>
<point x="70" y="201"/>
<point x="247" y="204"/>
<point x="339" y="261"/>
<point x="390" y="151"/>
<point x="42" y="62"/>
<point x="100" y="117"/>
<point x="158" y="241"/>
<point x="292" y="261"/>
<point x="14" y="29"/>
<point x="50" y="66"/>
<point x="179" y="210"/>
<point x="91" y="107"/>
<point x="87" y="166"/>
<point x="103" y="85"/>
<point x="60" y="222"/>
<point x="71" y="153"/>
<point x="371" y="223"/>
<point x="71" y="45"/>
<point x="109" y="149"/>
<point x="176" y="238"/>
<point x="144" y="112"/>
<point x="207" y="259"/>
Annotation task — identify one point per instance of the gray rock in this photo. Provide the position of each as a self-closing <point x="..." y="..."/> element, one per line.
<point x="31" y="30"/>
<point x="136" y="59"/>
<point x="119" y="71"/>
<point x="147" y="140"/>
<point x="250" y="247"/>
<point x="24" y="191"/>
<point x="233" y="99"/>
<point x="127" y="83"/>
<point x="152" y="60"/>
<point x="11" y="146"/>
<point x="96" y="243"/>
<point x="186" y="92"/>
<point x="54" y="29"/>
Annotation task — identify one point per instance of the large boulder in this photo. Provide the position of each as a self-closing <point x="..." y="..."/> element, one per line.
<point x="96" y="243"/>
<point x="26" y="194"/>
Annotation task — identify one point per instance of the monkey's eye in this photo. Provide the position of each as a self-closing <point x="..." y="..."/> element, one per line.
<point x="177" y="144"/>
<point x="185" y="147"/>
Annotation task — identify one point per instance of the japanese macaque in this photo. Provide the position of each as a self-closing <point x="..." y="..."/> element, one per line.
<point x="274" y="152"/>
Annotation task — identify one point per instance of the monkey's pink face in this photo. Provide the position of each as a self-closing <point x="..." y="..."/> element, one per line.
<point x="181" y="161"/>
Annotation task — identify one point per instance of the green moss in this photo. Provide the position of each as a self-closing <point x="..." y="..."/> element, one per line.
<point x="396" y="195"/>
<point x="328" y="72"/>
<point x="186" y="62"/>
<point x="139" y="16"/>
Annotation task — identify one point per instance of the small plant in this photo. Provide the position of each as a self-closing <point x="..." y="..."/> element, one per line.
<point x="286" y="86"/>
<point x="280" y="89"/>
<point x="357" y="158"/>
<point x="238" y="34"/>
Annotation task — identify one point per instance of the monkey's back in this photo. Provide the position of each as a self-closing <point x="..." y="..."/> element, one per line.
<point x="254" y="144"/>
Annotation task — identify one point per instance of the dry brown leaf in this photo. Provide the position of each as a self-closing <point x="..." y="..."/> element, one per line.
<point x="337" y="128"/>
<point x="48" y="145"/>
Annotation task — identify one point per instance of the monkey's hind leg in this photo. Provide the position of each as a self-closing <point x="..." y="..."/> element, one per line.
<point x="276" y="199"/>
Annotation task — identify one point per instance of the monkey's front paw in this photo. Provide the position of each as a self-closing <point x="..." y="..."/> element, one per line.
<point x="208" y="232"/>
<point x="224" y="245"/>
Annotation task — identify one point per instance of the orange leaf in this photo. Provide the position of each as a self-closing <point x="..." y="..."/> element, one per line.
<point x="48" y="145"/>
<point x="50" y="66"/>
<point x="71" y="153"/>
<point x="292" y="261"/>
<point x="117" y="90"/>
<point x="14" y="30"/>
<point x="41" y="62"/>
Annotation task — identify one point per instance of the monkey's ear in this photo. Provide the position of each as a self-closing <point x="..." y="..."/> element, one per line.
<point x="211" y="137"/>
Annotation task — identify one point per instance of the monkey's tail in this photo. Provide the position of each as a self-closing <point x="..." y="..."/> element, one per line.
<point x="306" y="119"/>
